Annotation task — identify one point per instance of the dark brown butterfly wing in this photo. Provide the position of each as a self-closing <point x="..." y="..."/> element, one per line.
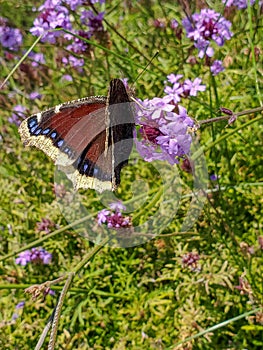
<point x="90" y="138"/>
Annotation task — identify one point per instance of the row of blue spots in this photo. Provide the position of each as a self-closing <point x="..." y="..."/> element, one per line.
<point x="36" y="130"/>
<point x="89" y="169"/>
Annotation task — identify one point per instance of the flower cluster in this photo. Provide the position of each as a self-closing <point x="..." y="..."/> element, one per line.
<point x="165" y="125"/>
<point x="166" y="129"/>
<point x="45" y="225"/>
<point x="54" y="14"/>
<point x="10" y="38"/>
<point x="181" y="89"/>
<point x="241" y="4"/>
<point x="35" y="255"/>
<point x="204" y="28"/>
<point x="190" y="260"/>
<point x="217" y="67"/>
<point x="113" y="218"/>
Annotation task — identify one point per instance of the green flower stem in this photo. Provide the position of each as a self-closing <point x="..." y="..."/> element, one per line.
<point x="57" y="311"/>
<point x="215" y="327"/>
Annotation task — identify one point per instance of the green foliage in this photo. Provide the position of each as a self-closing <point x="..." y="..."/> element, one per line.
<point x="141" y="297"/>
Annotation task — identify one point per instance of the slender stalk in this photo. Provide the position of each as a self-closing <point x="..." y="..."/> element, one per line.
<point x="226" y="117"/>
<point x="57" y="311"/>
<point x="20" y="61"/>
<point x="58" y="308"/>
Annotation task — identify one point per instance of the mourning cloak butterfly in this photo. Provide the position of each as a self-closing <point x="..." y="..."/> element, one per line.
<point x="90" y="138"/>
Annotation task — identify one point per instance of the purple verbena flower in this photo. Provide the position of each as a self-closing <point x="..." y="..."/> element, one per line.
<point x="78" y="45"/>
<point x="67" y="77"/>
<point x="35" y="95"/>
<point x="172" y="78"/>
<point x="116" y="220"/>
<point x="174" y="24"/>
<point x="10" y="38"/>
<point x="93" y="21"/>
<point x="52" y="15"/>
<point x="181" y="89"/>
<point x="113" y="218"/>
<point x="191" y="88"/>
<point x="205" y="27"/>
<point x="17" y="115"/>
<point x="37" y="58"/>
<point x="217" y="67"/>
<point x="73" y="61"/>
<point x="173" y="94"/>
<point x="45" y="225"/>
<point x="74" y="4"/>
<point x="241" y="4"/>
<point x="102" y="216"/>
<point x="164" y="133"/>
<point x="203" y="47"/>
<point x="35" y="255"/>
<point x="24" y="258"/>
<point x="117" y="206"/>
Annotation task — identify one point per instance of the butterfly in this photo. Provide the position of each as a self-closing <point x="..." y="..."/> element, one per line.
<point x="90" y="139"/>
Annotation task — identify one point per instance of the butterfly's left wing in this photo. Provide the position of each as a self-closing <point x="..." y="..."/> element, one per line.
<point x="73" y="134"/>
<point x="90" y="138"/>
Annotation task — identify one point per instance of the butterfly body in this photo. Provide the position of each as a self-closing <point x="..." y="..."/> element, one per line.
<point x="90" y="139"/>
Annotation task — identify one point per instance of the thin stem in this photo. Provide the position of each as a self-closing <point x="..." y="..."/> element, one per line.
<point x="20" y="61"/>
<point x="58" y="308"/>
<point x="226" y="117"/>
<point x="57" y="311"/>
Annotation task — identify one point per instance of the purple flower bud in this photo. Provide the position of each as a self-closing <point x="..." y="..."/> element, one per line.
<point x="117" y="206"/>
<point x="174" y="24"/>
<point x="260" y="242"/>
<point x="67" y="77"/>
<point x="190" y="260"/>
<point x="217" y="67"/>
<point x="226" y="111"/>
<point x="213" y="177"/>
<point x="20" y="305"/>
<point x="45" y="225"/>
<point x="35" y="95"/>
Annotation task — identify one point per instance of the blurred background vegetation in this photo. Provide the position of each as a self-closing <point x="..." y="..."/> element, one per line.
<point x="159" y="294"/>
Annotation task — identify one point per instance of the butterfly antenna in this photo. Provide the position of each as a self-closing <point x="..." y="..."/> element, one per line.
<point x="144" y="69"/>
